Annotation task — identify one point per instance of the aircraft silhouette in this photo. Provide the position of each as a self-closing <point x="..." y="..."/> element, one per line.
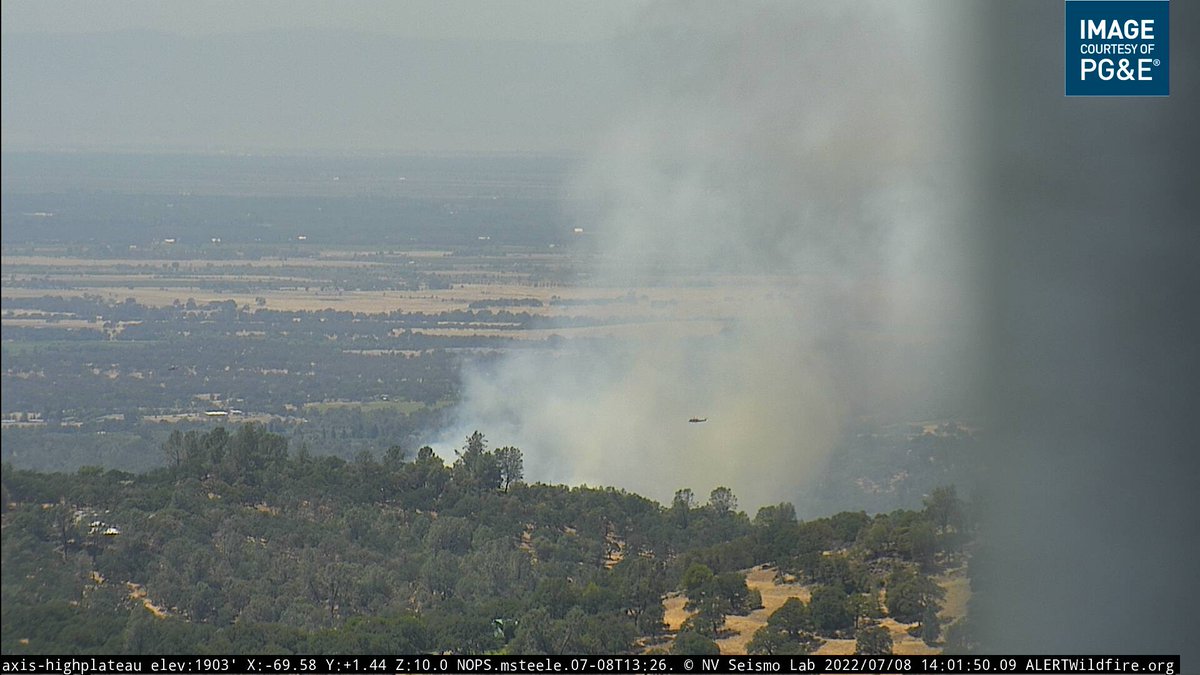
<point x="697" y="420"/>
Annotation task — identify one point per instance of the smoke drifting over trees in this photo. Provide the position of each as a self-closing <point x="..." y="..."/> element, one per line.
<point x="799" y="154"/>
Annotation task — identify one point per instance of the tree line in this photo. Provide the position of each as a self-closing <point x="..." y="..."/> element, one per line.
<point x="244" y="545"/>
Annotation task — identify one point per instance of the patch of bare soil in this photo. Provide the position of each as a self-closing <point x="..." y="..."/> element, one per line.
<point x="136" y="592"/>
<point x="740" y="629"/>
<point x="526" y="543"/>
<point x="958" y="594"/>
<point x="614" y="548"/>
<point x="673" y="612"/>
<point x="902" y="642"/>
<point x="774" y="591"/>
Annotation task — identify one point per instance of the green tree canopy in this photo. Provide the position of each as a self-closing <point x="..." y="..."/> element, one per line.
<point x="873" y="641"/>
<point x="693" y="643"/>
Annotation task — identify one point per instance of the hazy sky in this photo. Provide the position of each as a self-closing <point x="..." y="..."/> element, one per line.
<point x="536" y="76"/>
<point x="538" y="20"/>
<point x="1085" y="214"/>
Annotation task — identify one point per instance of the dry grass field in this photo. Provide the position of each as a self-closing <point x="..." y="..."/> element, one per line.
<point x="329" y="259"/>
<point x="675" y="302"/>
<point x="694" y="308"/>
<point x="775" y="593"/>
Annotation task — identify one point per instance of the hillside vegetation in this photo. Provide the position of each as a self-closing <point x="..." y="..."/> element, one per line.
<point x="242" y="546"/>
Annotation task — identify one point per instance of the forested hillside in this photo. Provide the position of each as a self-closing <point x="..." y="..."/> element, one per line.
<point x="240" y="546"/>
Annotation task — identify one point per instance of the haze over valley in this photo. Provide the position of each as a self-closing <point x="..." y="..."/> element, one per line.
<point x="588" y="328"/>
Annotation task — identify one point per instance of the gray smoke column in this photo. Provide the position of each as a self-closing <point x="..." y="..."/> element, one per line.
<point x="802" y="157"/>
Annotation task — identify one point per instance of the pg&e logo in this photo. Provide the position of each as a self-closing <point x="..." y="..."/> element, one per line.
<point x="1117" y="48"/>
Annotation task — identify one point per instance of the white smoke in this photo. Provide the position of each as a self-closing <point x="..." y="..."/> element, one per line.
<point x="799" y="155"/>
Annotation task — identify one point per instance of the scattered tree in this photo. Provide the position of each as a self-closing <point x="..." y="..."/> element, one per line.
<point x="830" y="612"/>
<point x="693" y="643"/>
<point x="873" y="641"/>
<point x="931" y="625"/>
<point x="511" y="465"/>
<point x="722" y="501"/>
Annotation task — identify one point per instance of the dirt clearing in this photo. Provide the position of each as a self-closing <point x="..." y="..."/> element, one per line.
<point x="775" y="592"/>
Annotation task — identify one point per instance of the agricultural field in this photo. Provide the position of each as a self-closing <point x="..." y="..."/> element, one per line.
<point x="329" y="299"/>
<point x="346" y="349"/>
<point x="343" y="313"/>
<point x="185" y="340"/>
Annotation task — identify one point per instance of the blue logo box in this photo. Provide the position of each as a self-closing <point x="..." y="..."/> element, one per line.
<point x="1118" y="48"/>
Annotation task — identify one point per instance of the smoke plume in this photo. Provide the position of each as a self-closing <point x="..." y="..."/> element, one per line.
<point x="798" y="159"/>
